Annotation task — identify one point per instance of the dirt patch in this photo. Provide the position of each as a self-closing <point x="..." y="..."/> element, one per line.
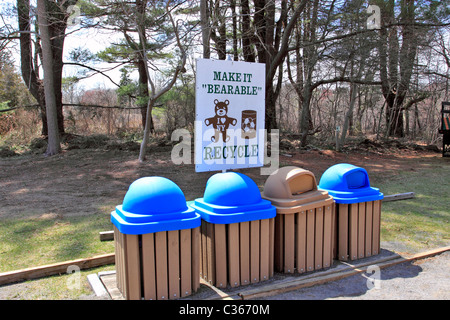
<point x="83" y="181"/>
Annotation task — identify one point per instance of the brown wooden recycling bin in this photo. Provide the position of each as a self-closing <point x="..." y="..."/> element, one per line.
<point x="236" y="232"/>
<point x="304" y="225"/>
<point x="157" y="266"/>
<point x="358" y="211"/>
<point x="237" y="254"/>
<point x="157" y="241"/>
<point x="358" y="230"/>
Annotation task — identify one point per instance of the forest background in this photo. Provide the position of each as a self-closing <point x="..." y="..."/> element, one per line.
<point x="335" y="70"/>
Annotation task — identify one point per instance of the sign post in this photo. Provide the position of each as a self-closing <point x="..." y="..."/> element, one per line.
<point x="230" y="114"/>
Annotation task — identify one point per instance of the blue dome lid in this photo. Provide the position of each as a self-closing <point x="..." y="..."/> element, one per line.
<point x="232" y="197"/>
<point x="154" y="195"/>
<point x="348" y="184"/>
<point x="231" y="189"/>
<point x="154" y="204"/>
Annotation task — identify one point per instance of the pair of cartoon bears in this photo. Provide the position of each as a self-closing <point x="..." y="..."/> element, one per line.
<point x="220" y="121"/>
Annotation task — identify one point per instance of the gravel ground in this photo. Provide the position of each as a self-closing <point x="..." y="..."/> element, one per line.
<point x="425" y="279"/>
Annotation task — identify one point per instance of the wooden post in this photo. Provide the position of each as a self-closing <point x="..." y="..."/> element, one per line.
<point x="233" y="254"/>
<point x="195" y="258"/>
<point x="173" y="247"/>
<point x="353" y="231"/>
<point x="376" y="227"/>
<point x="221" y="255"/>
<point x="369" y="222"/>
<point x="271" y="246"/>
<point x="310" y="237"/>
<point x="279" y="242"/>
<point x="361" y="228"/>
<point x="289" y="242"/>
<point x="265" y="250"/>
<point x="162" y="290"/>
<point x="185" y="263"/>
<point x="244" y="252"/>
<point x="301" y="242"/>
<point x="327" y="236"/>
<point x="148" y="264"/>
<point x="254" y="251"/>
<point x="318" y="243"/>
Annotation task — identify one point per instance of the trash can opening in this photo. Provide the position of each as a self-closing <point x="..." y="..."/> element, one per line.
<point x="289" y="182"/>
<point x="301" y="183"/>
<point x="357" y="179"/>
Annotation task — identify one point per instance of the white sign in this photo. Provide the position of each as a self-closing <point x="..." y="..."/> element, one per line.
<point x="230" y="115"/>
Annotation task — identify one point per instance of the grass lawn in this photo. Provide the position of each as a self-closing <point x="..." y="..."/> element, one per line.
<point x="29" y="242"/>
<point x="26" y="243"/>
<point x="421" y="223"/>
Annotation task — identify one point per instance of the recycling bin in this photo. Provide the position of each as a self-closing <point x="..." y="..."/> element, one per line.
<point x="157" y="239"/>
<point x="358" y="211"/>
<point x="236" y="232"/>
<point x="304" y="221"/>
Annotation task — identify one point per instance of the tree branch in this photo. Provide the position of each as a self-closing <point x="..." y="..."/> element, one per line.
<point x="96" y="70"/>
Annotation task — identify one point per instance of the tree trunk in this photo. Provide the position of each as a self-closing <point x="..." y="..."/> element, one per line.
<point x="396" y="64"/>
<point x="143" y="76"/>
<point x="155" y="95"/>
<point x="247" y="33"/>
<point x="53" y="146"/>
<point x="29" y="73"/>
<point x="206" y="29"/>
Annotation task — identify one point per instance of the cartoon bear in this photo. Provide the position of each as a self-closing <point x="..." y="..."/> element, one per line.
<point x="220" y="121"/>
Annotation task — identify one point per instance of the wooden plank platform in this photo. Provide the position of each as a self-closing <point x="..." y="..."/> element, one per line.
<point x="287" y="283"/>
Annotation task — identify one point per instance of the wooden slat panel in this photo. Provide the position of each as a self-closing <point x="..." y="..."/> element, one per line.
<point x="254" y="251"/>
<point x="173" y="247"/>
<point x="353" y="231"/>
<point x="244" y="252"/>
<point x="289" y="243"/>
<point x="335" y="233"/>
<point x="162" y="290"/>
<point x="221" y="255"/>
<point x="310" y="237"/>
<point x="271" y="244"/>
<point x="279" y="242"/>
<point x="376" y="227"/>
<point x="195" y="258"/>
<point x="133" y="267"/>
<point x="369" y="218"/>
<point x="185" y="263"/>
<point x="301" y="242"/>
<point x="203" y="247"/>
<point x="233" y="254"/>
<point x="118" y="261"/>
<point x="148" y="266"/>
<point x="264" y="249"/>
<point x="327" y="236"/>
<point x="343" y="232"/>
<point x="121" y="268"/>
<point x="210" y="254"/>
<point x="361" y="229"/>
<point x="318" y="243"/>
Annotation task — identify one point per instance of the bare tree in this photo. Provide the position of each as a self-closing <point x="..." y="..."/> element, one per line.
<point x="157" y="93"/>
<point x="57" y="16"/>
